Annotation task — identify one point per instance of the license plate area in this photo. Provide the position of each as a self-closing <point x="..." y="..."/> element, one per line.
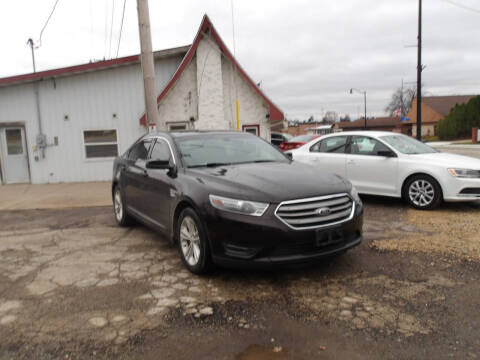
<point x="328" y="237"/>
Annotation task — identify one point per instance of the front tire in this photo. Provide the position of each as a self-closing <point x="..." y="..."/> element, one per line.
<point x="422" y="192"/>
<point x="192" y="242"/>
<point x="119" y="209"/>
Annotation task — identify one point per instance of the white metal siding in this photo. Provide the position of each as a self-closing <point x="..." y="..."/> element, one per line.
<point x="89" y="100"/>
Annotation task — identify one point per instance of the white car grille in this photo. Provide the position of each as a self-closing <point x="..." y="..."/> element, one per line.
<point x="316" y="212"/>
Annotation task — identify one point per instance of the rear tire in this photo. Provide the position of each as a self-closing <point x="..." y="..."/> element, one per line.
<point x="423" y="192"/>
<point x="119" y="209"/>
<point x="192" y="242"/>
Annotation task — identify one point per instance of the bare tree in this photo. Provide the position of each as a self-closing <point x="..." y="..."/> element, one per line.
<point x="330" y="117"/>
<point x="401" y="100"/>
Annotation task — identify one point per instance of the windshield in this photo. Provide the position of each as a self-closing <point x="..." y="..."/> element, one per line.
<point x="407" y="145"/>
<point x="226" y="149"/>
<point x="302" y="138"/>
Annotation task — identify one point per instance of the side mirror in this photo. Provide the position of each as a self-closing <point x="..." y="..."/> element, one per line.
<point x="386" y="153"/>
<point x="158" y="164"/>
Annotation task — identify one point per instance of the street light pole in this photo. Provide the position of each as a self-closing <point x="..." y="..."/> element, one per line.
<point x="365" y="101"/>
<point x="364" y="92"/>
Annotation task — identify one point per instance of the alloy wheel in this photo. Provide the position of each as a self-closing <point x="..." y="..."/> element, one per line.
<point x="190" y="241"/>
<point x="421" y="192"/>
<point x="117" y="205"/>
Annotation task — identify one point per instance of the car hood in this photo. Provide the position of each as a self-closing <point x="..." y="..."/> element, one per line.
<point x="270" y="182"/>
<point x="449" y="160"/>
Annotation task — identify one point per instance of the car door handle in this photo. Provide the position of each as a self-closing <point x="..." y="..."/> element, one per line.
<point x="351" y="162"/>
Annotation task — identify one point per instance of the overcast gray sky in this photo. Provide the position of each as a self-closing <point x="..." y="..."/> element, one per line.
<point x="307" y="53"/>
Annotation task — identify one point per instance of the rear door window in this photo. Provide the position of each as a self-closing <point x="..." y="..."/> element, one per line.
<point x="334" y="144"/>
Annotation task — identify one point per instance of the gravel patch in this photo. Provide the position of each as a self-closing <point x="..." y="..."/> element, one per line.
<point x="452" y="232"/>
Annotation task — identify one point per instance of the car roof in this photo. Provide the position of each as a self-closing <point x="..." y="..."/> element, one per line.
<point x="363" y="132"/>
<point x="184" y="133"/>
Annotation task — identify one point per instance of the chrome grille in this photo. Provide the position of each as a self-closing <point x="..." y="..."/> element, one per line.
<point x="316" y="212"/>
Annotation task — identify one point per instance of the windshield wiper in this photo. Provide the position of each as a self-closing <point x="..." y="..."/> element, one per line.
<point x="212" y="164"/>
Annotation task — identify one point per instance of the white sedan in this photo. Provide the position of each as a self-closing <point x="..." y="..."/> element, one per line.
<point x="391" y="164"/>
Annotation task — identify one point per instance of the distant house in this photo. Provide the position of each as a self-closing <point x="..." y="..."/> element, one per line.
<point x="434" y="108"/>
<point x="379" y="123"/>
<point x="321" y="129"/>
<point x="300" y="128"/>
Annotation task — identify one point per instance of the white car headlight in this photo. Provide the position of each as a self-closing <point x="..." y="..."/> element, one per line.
<point x="465" y="173"/>
<point x="238" y="206"/>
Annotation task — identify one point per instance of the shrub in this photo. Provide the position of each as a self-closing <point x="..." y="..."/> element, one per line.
<point x="460" y="121"/>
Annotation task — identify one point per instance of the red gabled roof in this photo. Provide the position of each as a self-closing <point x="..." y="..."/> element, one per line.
<point x="276" y="115"/>
<point x="92" y="66"/>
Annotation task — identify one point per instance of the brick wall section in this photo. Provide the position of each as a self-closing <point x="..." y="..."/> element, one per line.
<point x="180" y="103"/>
<point x="252" y="108"/>
<point x="210" y="87"/>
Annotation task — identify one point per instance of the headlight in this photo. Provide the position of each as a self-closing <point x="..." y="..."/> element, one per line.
<point x="238" y="206"/>
<point x="354" y="193"/>
<point x="465" y="173"/>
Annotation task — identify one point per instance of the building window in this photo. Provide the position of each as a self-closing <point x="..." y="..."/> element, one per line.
<point x="100" y="143"/>
<point x="252" y="129"/>
<point x="177" y="126"/>
<point x="14" y="141"/>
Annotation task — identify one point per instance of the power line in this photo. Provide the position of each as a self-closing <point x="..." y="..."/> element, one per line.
<point x="111" y="28"/>
<point x="462" y="6"/>
<point x="105" y="35"/>
<point x="46" y="23"/>
<point x="121" y="27"/>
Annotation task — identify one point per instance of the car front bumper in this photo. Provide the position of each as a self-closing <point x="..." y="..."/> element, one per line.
<point x="252" y="242"/>
<point x="461" y="189"/>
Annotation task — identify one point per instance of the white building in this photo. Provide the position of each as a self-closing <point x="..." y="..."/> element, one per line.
<point x="68" y="124"/>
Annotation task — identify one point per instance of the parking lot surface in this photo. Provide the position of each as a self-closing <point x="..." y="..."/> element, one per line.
<point x="74" y="285"/>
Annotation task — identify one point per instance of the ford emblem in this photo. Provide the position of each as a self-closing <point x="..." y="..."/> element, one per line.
<point x="323" y="211"/>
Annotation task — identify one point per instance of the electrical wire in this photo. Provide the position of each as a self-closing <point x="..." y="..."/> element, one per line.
<point x="46" y="23"/>
<point x="121" y="27"/>
<point x="111" y="29"/>
<point x="462" y="6"/>
<point x="105" y="35"/>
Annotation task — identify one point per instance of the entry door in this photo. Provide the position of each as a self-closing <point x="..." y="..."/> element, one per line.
<point x="14" y="155"/>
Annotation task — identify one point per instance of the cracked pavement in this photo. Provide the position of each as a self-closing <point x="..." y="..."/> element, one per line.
<point x="74" y="284"/>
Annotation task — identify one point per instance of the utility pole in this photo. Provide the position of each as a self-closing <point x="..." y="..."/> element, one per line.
<point x="147" y="62"/>
<point x="419" y="73"/>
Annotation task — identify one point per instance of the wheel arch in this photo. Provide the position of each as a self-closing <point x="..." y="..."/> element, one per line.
<point x="416" y="173"/>
<point x="181" y="205"/>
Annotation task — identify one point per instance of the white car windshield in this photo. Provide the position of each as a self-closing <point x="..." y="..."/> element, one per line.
<point x="407" y="145"/>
